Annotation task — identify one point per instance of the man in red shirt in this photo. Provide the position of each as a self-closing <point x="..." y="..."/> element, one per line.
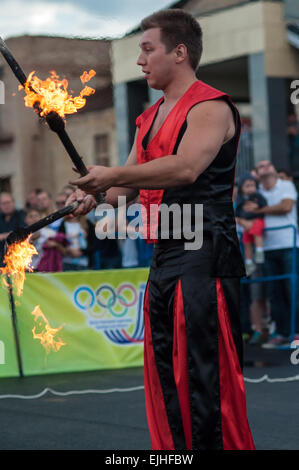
<point x="185" y="153"/>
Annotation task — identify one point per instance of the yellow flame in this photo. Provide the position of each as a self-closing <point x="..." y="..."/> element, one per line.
<point x="52" y="94"/>
<point x="17" y="260"/>
<point x="47" y="335"/>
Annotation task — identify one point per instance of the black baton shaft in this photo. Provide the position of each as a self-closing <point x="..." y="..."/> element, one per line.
<point x="20" y="234"/>
<point x="12" y="62"/>
<point x="75" y="157"/>
<point x="51" y="218"/>
<point x="15" y="326"/>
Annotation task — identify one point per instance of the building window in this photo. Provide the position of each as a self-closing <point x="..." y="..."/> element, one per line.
<point x="5" y="184"/>
<point x="102" y="156"/>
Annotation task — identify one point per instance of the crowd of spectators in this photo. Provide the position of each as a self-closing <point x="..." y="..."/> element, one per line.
<point x="267" y="199"/>
<point x="263" y="198"/>
<point x="70" y="243"/>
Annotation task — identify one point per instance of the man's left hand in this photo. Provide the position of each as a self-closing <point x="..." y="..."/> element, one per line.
<point x="99" y="179"/>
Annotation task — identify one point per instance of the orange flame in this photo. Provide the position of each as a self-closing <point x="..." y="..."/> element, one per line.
<point x="47" y="335"/>
<point x="52" y="94"/>
<point x="17" y="260"/>
<point x="85" y="77"/>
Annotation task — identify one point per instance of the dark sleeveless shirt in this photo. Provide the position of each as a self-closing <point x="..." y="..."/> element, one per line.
<point x="213" y="189"/>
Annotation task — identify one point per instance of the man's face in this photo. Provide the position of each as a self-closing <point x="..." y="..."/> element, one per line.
<point x="44" y="202"/>
<point x="7" y="204"/>
<point x="265" y="168"/>
<point x="282" y="175"/>
<point x="60" y="200"/>
<point x="32" y="217"/>
<point x="156" y="63"/>
<point x="32" y="199"/>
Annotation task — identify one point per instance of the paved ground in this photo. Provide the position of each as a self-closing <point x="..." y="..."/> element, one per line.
<point x="118" y="421"/>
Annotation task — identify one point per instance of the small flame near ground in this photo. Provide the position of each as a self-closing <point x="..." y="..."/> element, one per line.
<point x="47" y="335"/>
<point x="52" y="94"/>
<point x="17" y="260"/>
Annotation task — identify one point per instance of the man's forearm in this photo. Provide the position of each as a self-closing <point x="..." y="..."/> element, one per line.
<point x="277" y="209"/>
<point x="161" y="173"/>
<point x="113" y="194"/>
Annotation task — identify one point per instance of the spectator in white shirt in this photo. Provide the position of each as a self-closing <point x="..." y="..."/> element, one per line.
<point x="281" y="197"/>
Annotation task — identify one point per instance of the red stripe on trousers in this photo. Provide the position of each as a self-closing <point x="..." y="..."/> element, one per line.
<point x="235" y="428"/>
<point x="161" y="438"/>
<point x="180" y="363"/>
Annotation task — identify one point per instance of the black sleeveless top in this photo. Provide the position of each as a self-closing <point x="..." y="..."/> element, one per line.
<point x="213" y="189"/>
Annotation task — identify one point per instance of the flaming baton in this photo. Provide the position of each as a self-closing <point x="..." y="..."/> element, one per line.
<point x="51" y="100"/>
<point x="17" y="260"/>
<point x="20" y="234"/>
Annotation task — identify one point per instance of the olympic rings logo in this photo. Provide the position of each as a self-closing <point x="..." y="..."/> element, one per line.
<point x="116" y="301"/>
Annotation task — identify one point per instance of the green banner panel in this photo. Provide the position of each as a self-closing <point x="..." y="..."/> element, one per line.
<point x="8" y="357"/>
<point x="100" y="314"/>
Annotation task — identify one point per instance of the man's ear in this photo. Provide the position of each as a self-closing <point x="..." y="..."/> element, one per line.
<point x="181" y="53"/>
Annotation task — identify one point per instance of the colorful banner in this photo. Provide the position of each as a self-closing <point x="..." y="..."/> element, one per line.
<point x="8" y="356"/>
<point x="100" y="314"/>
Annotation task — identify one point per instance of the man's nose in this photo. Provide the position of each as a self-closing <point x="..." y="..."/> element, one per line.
<point x="141" y="59"/>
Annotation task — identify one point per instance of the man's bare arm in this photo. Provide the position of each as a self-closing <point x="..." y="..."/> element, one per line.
<point x="210" y="124"/>
<point x="282" y="208"/>
<point x="88" y="202"/>
<point x="130" y="193"/>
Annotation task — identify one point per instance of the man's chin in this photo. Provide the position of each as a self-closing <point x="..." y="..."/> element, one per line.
<point x="153" y="84"/>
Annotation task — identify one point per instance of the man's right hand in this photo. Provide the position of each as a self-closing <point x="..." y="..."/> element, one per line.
<point x="86" y="202"/>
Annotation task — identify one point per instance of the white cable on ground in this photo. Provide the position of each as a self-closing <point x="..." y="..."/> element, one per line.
<point x="264" y="378"/>
<point x="72" y="392"/>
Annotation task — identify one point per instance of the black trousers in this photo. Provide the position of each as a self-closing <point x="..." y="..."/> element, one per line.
<point x="194" y="388"/>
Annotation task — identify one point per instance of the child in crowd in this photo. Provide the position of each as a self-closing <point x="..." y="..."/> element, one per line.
<point x="31" y="217"/>
<point x="254" y="223"/>
<point x="76" y="254"/>
<point x="49" y="244"/>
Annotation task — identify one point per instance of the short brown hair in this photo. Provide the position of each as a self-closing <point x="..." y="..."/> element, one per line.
<point x="177" y="27"/>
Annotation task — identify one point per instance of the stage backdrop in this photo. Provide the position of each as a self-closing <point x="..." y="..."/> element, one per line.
<point x="100" y="314"/>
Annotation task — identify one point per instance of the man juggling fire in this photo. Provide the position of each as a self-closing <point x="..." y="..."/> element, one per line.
<point x="185" y="153"/>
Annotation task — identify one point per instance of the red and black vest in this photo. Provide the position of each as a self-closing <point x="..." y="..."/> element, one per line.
<point x="213" y="188"/>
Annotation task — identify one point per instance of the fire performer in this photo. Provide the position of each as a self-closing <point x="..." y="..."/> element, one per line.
<point x="185" y="152"/>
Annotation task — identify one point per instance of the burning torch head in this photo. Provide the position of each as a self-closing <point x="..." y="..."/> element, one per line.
<point x="17" y="236"/>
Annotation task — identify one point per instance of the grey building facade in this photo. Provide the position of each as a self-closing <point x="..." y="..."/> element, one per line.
<point x="248" y="53"/>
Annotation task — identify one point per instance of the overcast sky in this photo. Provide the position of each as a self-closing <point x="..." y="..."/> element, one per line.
<point x="83" y="18"/>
